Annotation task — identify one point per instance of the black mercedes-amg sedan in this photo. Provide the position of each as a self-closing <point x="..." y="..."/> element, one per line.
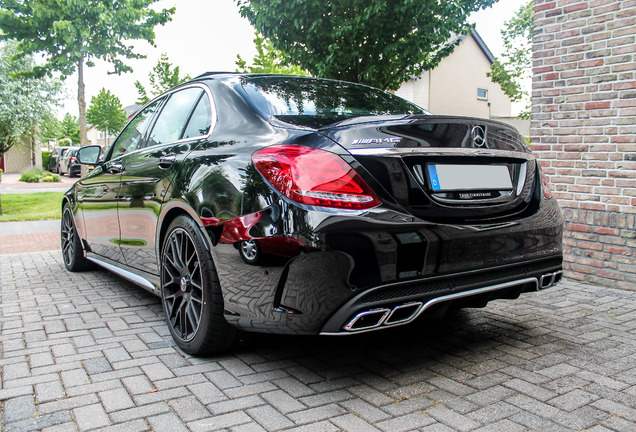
<point x="264" y="203"/>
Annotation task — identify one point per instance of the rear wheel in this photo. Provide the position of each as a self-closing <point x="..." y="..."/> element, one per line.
<point x="72" y="251"/>
<point x="191" y="293"/>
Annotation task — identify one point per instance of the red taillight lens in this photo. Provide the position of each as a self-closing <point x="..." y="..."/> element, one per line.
<point x="545" y="185"/>
<point x="314" y="177"/>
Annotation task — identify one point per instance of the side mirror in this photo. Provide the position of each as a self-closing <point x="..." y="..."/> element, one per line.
<point x="89" y="155"/>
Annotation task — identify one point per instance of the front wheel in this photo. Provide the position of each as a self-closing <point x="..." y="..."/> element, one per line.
<point x="191" y="293"/>
<point x="72" y="251"/>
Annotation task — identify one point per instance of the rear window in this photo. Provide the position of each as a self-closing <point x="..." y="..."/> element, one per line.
<point x="285" y="96"/>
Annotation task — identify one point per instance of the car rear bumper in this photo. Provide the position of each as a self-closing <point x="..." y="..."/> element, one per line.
<point x="388" y="266"/>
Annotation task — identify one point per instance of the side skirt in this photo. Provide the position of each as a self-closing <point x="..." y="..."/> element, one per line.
<point x="147" y="281"/>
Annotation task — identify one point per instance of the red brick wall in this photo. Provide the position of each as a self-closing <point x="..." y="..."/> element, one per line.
<point x="583" y="130"/>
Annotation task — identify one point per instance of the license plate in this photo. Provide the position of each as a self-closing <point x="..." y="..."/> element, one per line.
<point x="444" y="177"/>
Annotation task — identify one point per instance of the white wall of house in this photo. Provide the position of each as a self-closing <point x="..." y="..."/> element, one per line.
<point x="18" y="158"/>
<point x="452" y="87"/>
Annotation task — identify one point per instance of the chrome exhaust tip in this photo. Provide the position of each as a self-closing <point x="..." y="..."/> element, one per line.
<point x="550" y="279"/>
<point x="367" y="320"/>
<point x="403" y="313"/>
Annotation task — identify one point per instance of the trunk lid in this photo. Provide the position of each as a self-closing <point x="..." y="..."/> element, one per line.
<point x="444" y="168"/>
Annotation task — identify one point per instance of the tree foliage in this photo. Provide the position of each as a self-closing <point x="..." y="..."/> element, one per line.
<point x="69" y="129"/>
<point x="106" y="113"/>
<point x="381" y="43"/>
<point x="74" y="33"/>
<point x="268" y="60"/>
<point x="162" y="77"/>
<point x="515" y="65"/>
<point x="25" y="102"/>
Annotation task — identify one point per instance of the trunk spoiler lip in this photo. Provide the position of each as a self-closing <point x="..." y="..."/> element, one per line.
<point x="414" y="118"/>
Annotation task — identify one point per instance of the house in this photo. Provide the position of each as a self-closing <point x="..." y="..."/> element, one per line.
<point x="18" y="158"/>
<point x="459" y="86"/>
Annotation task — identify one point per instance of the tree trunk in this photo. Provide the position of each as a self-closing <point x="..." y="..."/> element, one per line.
<point x="81" y="99"/>
<point x="33" y="155"/>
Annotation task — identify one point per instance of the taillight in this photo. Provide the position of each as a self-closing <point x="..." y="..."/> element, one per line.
<point x="545" y="185"/>
<point x="314" y="177"/>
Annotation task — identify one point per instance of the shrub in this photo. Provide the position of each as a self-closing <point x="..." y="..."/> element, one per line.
<point x="46" y="155"/>
<point x="50" y="178"/>
<point x="32" y="175"/>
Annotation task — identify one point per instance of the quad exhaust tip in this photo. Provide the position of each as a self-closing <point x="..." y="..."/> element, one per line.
<point x="376" y="317"/>
<point x="550" y="279"/>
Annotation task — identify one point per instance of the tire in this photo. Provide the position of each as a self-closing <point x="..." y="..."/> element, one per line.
<point x="72" y="250"/>
<point x="191" y="292"/>
<point x="250" y="251"/>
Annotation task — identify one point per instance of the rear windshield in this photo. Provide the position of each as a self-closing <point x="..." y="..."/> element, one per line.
<point x="292" y="97"/>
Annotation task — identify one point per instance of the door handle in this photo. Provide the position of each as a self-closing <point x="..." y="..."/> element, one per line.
<point x="167" y="161"/>
<point x="115" y="167"/>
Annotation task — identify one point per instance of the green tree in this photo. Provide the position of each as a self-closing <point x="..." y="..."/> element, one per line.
<point x="162" y="77"/>
<point x="106" y="113"/>
<point x="381" y="43"/>
<point x="74" y="33"/>
<point x="514" y="67"/>
<point x="69" y="129"/>
<point x="268" y="60"/>
<point x="25" y="102"/>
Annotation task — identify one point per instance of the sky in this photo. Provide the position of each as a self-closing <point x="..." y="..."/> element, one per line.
<point x="206" y="35"/>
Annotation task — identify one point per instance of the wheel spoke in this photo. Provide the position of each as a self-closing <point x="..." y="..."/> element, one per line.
<point x="193" y="316"/>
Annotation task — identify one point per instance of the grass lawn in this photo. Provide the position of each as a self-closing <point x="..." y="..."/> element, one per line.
<point x="31" y="206"/>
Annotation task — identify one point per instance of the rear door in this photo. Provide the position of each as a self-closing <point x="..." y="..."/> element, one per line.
<point x="147" y="173"/>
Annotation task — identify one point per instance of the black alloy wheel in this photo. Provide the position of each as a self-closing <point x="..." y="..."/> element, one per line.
<point x="72" y="251"/>
<point x="191" y="293"/>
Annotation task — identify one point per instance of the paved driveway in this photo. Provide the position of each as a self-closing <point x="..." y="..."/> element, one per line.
<point x="90" y="351"/>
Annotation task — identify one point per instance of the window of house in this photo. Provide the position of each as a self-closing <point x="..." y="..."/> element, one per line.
<point x="482" y="94"/>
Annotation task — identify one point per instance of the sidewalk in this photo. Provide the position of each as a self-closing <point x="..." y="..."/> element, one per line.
<point x="29" y="236"/>
<point x="11" y="184"/>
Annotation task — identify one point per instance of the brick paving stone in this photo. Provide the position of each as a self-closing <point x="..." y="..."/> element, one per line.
<point x="351" y="422"/>
<point x="189" y="408"/>
<point x="167" y="423"/>
<point x="87" y="349"/>
<point x="282" y="401"/>
<point x="269" y="417"/>
<point x="49" y="391"/>
<point x="116" y="399"/>
<point x="19" y="408"/>
<point x="220" y="422"/>
<point x="91" y="417"/>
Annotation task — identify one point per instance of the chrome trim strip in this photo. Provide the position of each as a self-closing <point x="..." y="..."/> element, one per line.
<point x="434" y="151"/>
<point x="350" y="324"/>
<point x="446" y="298"/>
<point x="136" y="279"/>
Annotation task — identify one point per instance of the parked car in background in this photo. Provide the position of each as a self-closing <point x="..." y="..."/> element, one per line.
<point x="69" y="164"/>
<point x="56" y="158"/>
<point x="375" y="211"/>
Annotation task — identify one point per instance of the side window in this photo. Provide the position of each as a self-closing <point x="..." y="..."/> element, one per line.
<point x="172" y="119"/>
<point x="201" y="119"/>
<point x="129" y="139"/>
